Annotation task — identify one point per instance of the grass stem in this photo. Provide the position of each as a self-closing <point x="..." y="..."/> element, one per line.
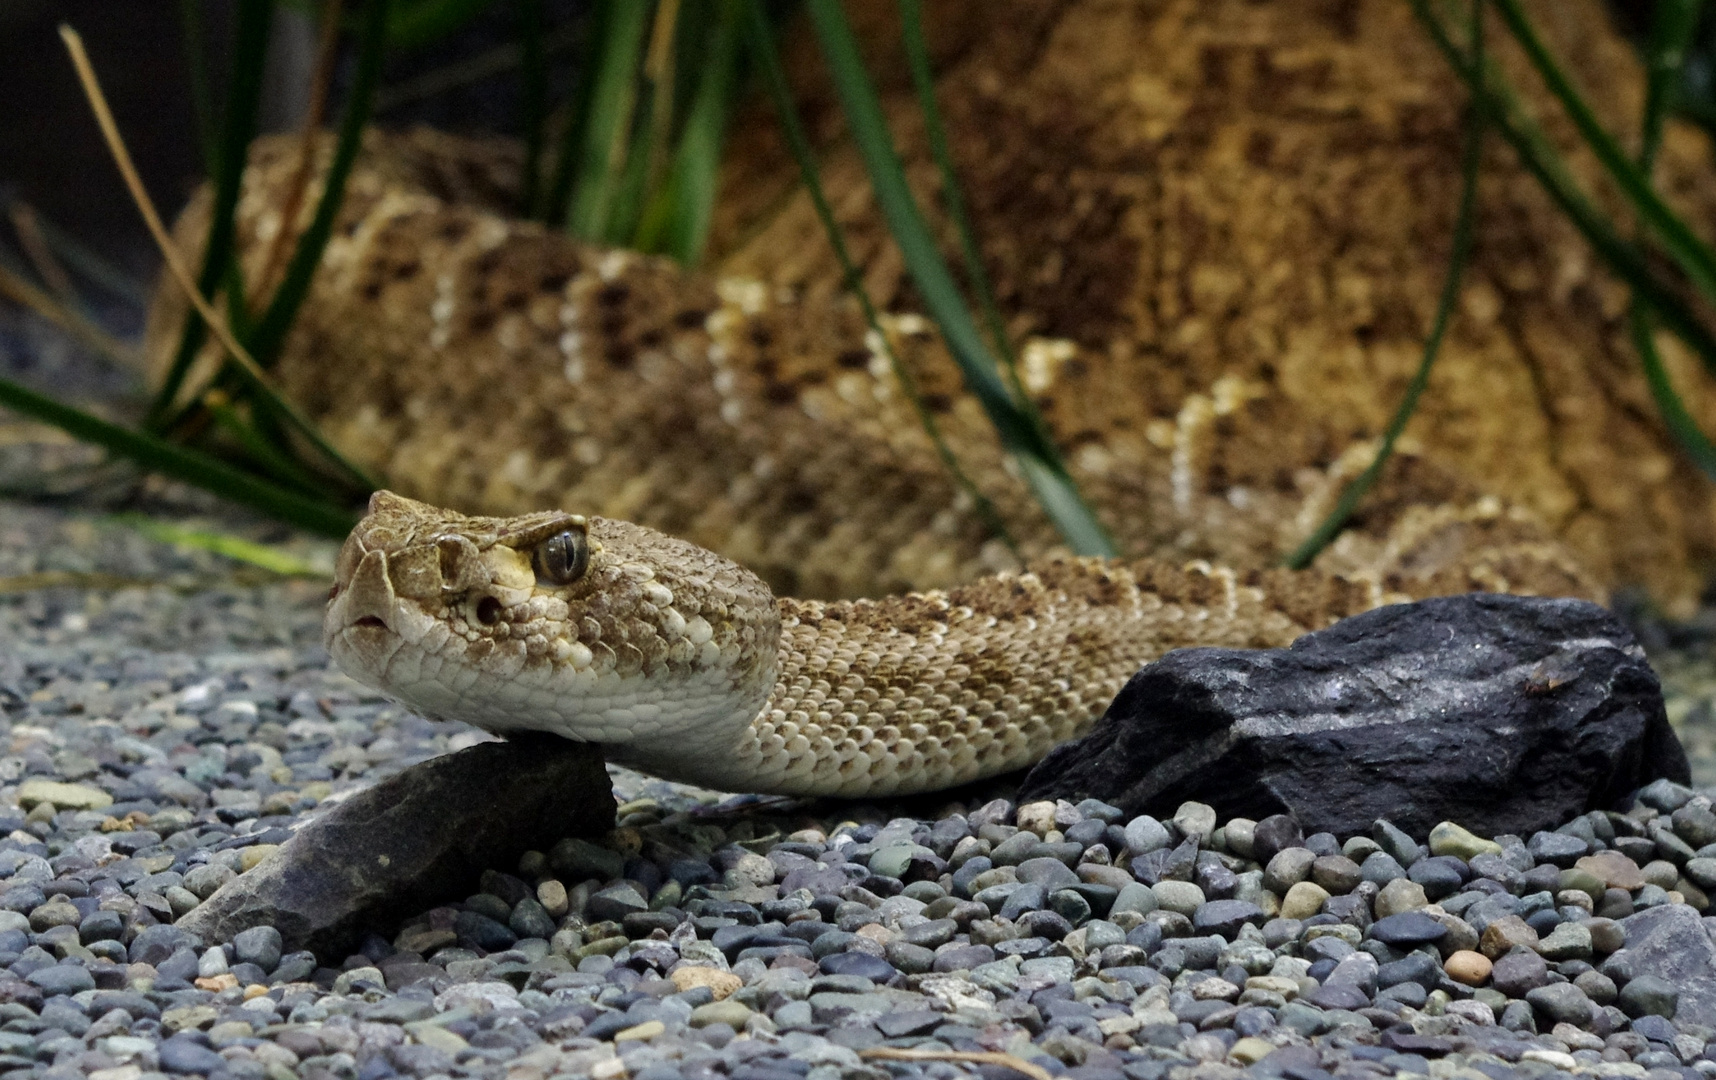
<point x="1022" y="433"/>
<point x="245" y="365"/>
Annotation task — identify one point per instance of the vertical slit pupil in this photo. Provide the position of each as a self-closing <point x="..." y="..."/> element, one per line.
<point x="562" y="558"/>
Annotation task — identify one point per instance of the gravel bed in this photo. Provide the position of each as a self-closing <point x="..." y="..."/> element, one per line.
<point x="167" y="719"/>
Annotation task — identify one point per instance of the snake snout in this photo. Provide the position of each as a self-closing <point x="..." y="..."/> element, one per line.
<point x="368" y="598"/>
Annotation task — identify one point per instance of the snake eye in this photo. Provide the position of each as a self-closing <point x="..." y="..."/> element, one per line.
<point x="562" y="558"/>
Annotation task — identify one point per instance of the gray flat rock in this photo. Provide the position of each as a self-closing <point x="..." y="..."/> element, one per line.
<point x="417" y="837"/>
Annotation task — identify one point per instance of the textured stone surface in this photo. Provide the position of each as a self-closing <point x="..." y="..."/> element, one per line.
<point x="1508" y="714"/>
<point x="1669" y="942"/>
<point x="425" y="833"/>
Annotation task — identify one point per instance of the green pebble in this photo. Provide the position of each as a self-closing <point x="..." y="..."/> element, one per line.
<point x="1448" y="838"/>
<point x="925" y="892"/>
<point x="893" y="860"/>
<point x="1495" y="999"/>
<point x="1584" y="881"/>
<point x="669" y="895"/>
<point x="729" y="1012"/>
<point x="602" y="947"/>
<point x="1135" y="897"/>
<point x="580" y="860"/>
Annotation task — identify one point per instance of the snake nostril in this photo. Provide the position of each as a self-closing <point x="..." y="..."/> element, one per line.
<point x="372" y="621"/>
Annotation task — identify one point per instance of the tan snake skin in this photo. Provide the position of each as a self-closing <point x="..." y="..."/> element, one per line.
<point x="683" y="664"/>
<point x="490" y="364"/>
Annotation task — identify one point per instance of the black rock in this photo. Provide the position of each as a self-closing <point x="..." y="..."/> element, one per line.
<point x="1655" y="1028"/>
<point x="1405" y="1042"/>
<point x="1167" y="864"/>
<point x="1405" y="850"/>
<point x="154" y="944"/>
<point x="1557" y="848"/>
<point x="1562" y="1003"/>
<point x="294" y="967"/>
<point x="1649" y="995"/>
<point x="412" y="840"/>
<point x="531" y="919"/>
<point x="483" y="932"/>
<point x="1440" y="876"/>
<point x="908" y="1022"/>
<point x="1273" y="835"/>
<point x="1508" y="714"/>
<point x="182" y="965"/>
<point x="68" y="979"/>
<point x="1225" y="917"/>
<point x="616" y="902"/>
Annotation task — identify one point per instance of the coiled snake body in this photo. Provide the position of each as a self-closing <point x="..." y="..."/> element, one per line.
<point x="682" y="663"/>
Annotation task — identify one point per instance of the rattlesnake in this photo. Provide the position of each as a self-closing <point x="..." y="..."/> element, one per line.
<point x="494" y="365"/>
<point x="682" y="663"/>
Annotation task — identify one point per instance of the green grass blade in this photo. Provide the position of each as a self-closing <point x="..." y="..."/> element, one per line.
<point x="1693" y="256"/>
<point x="237" y="129"/>
<point x="272" y="328"/>
<point x="917" y="56"/>
<point x="760" y="39"/>
<point x="1672" y="26"/>
<point x="1673" y="23"/>
<point x="1675" y="416"/>
<point x="1021" y="433"/>
<point x="607" y="128"/>
<point x="272" y="407"/>
<point x="677" y="222"/>
<point x="1354" y="492"/>
<point x="203" y="470"/>
<point x="1540" y="157"/>
<point x="237" y="548"/>
<point x="265" y="453"/>
<point x="626" y="203"/>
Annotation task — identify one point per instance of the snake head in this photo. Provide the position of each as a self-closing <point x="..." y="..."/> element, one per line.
<point x="598" y="630"/>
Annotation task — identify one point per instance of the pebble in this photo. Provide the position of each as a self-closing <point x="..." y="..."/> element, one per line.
<point x="1467" y="967"/>
<point x="1303" y="900"/>
<point x="735" y="938"/>
<point x="61" y="796"/>
<point x="1561" y="1002"/>
<point x="1614" y="869"/>
<point x="1447" y="838"/>
<point x="1648" y="995"/>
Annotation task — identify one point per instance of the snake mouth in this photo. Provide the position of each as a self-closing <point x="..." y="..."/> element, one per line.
<point x="374" y="622"/>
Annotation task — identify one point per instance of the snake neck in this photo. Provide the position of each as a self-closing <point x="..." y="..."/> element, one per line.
<point x="929" y="690"/>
